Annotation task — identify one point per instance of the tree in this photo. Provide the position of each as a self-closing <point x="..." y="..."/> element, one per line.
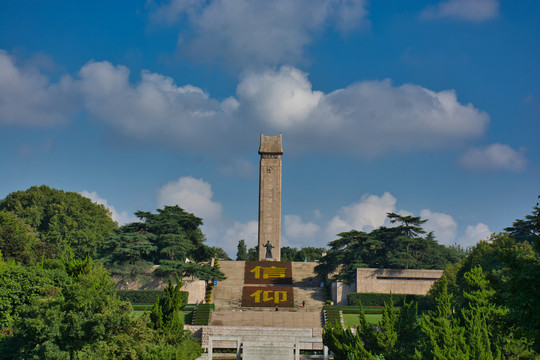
<point x="253" y="253"/>
<point x="172" y="239"/>
<point x="513" y="271"/>
<point x="62" y="219"/>
<point x="293" y="254"/>
<point x="18" y="240"/>
<point x="241" y="254"/>
<point x="394" y="338"/>
<point x="443" y="338"/>
<point x="399" y="247"/>
<point x="84" y="319"/>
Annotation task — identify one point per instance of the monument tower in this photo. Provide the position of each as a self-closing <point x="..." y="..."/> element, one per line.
<point x="270" y="198"/>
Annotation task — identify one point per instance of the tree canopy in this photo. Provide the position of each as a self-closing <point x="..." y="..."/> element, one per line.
<point x="73" y="312"/>
<point x="398" y="247"/>
<point x="172" y="239"/>
<point x="484" y="307"/>
<point x="18" y="240"/>
<point x="63" y="219"/>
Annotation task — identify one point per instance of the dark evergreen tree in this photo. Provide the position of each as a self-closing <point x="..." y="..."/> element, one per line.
<point x="241" y="254"/>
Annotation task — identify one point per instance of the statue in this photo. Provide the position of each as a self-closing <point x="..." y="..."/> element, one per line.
<point x="269" y="248"/>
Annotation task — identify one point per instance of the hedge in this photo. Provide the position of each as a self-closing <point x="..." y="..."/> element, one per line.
<point x="332" y="314"/>
<point x="146" y="296"/>
<point x="375" y="299"/>
<point x="202" y="314"/>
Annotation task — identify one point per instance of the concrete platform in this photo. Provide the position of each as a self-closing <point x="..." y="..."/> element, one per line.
<point x="279" y="319"/>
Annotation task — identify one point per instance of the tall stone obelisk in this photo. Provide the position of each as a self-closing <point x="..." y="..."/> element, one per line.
<point x="270" y="198"/>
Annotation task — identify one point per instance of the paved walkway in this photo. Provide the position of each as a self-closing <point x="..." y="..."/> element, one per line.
<point x="287" y="319"/>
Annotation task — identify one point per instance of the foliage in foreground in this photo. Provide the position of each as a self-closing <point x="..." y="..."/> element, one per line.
<point x="486" y="307"/>
<point x="79" y="316"/>
<point x="476" y="331"/>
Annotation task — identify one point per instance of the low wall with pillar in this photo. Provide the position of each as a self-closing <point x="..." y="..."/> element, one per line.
<point x="384" y="281"/>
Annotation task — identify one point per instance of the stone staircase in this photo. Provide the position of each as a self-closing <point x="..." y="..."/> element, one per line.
<point x="278" y="319"/>
<point x="227" y="294"/>
<point x="262" y="332"/>
<point x="259" y="341"/>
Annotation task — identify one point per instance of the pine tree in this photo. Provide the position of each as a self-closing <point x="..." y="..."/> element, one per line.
<point x="241" y="255"/>
<point x="443" y="338"/>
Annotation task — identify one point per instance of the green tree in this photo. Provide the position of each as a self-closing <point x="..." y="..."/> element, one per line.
<point x="62" y="219"/>
<point x="253" y="253"/>
<point x="177" y="233"/>
<point x="84" y="319"/>
<point x="20" y="285"/>
<point x="241" y="254"/>
<point x="18" y="240"/>
<point x="443" y="337"/>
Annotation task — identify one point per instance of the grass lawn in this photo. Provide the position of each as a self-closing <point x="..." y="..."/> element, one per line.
<point x="352" y="319"/>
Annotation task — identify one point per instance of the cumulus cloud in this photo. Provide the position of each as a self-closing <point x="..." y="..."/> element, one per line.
<point x="237" y="231"/>
<point x="468" y="10"/>
<point x="443" y="226"/>
<point x="295" y="228"/>
<point x="196" y="196"/>
<point x="256" y="32"/>
<point x="120" y="217"/>
<point x="283" y="99"/>
<point x="494" y="157"/>
<point x="152" y="108"/>
<point x="474" y="234"/>
<point x="192" y="195"/>
<point x="365" y="119"/>
<point x="366" y="214"/>
<point x="28" y="98"/>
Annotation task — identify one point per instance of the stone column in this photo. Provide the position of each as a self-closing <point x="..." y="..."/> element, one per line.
<point x="270" y="198"/>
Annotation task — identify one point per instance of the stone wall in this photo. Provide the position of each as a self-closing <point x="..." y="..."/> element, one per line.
<point x="397" y="281"/>
<point x="384" y="281"/>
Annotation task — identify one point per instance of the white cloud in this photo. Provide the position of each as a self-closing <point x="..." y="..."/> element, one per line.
<point x="468" y="10"/>
<point x="248" y="33"/>
<point x="366" y="214"/>
<point x="196" y="196"/>
<point x="27" y="97"/>
<point x="295" y="228"/>
<point x="366" y="119"/>
<point x="282" y="98"/>
<point x="494" y="157"/>
<point x="474" y="234"/>
<point x="444" y="226"/>
<point x="154" y="109"/>
<point x="192" y="195"/>
<point x="236" y="231"/>
<point x="120" y="217"/>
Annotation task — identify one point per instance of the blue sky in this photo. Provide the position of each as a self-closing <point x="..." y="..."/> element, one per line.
<point x="429" y="108"/>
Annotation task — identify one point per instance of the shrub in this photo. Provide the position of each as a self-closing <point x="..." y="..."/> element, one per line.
<point x="376" y="299"/>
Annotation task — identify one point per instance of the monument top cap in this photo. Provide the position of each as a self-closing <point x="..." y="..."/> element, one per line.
<point x="271" y="145"/>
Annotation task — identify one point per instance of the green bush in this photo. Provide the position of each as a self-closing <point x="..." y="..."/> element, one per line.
<point x="202" y="314"/>
<point x="146" y="296"/>
<point x="140" y="296"/>
<point x="332" y="314"/>
<point x="375" y="299"/>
